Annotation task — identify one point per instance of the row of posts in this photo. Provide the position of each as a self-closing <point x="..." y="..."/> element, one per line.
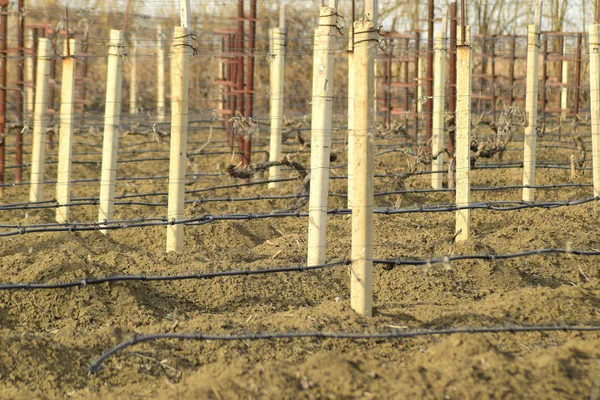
<point x="361" y="111"/>
<point x="361" y="135"/>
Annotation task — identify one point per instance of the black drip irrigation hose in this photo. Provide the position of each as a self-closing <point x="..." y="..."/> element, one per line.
<point x="388" y="265"/>
<point x="205" y="219"/>
<point x="96" y="366"/>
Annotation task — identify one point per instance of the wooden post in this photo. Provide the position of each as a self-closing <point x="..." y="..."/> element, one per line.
<point x="439" y="98"/>
<point x="564" y="90"/>
<point x="29" y="73"/>
<point x="160" y="75"/>
<point x="595" y="103"/>
<point x="322" y="112"/>
<point x="185" y="13"/>
<point x="40" y="120"/>
<point x="65" y="140"/>
<point x="361" y="278"/>
<point x="179" y="127"/>
<point x="350" y="114"/>
<point x="112" y="115"/>
<point x="277" y="96"/>
<point x="133" y="83"/>
<point x="463" y="133"/>
<point x="531" y="100"/>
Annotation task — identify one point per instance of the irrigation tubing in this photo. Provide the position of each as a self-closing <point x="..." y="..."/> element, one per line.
<point x="205" y="219"/>
<point x="96" y="366"/>
<point x="95" y="201"/>
<point x="388" y="264"/>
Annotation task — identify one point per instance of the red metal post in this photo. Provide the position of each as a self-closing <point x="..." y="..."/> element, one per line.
<point x="511" y="69"/>
<point x="429" y="87"/>
<point x="406" y="64"/>
<point x="578" y="74"/>
<point x="544" y="96"/>
<point x="83" y="62"/>
<point x="21" y="89"/>
<point x="240" y="71"/>
<point x="388" y="73"/>
<point x="494" y="38"/>
<point x="417" y="83"/>
<point x="3" y="69"/>
<point x="250" y="79"/>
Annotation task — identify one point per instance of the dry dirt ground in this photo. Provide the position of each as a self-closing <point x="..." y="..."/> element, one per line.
<point x="49" y="337"/>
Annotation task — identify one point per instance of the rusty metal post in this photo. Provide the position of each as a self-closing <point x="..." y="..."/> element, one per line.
<point x="21" y="89"/>
<point x="240" y="73"/>
<point x="429" y="78"/>
<point x="250" y="80"/>
<point x="494" y="38"/>
<point x="83" y="67"/>
<point x="417" y="83"/>
<point x="577" y="75"/>
<point x="389" y="73"/>
<point x="544" y="95"/>
<point x="406" y="64"/>
<point x="230" y="78"/>
<point x="452" y="75"/>
<point x="3" y="97"/>
<point x="482" y="73"/>
<point x="511" y="69"/>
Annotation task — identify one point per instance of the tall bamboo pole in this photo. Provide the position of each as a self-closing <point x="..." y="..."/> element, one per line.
<point x="365" y="50"/>
<point x="322" y="112"/>
<point x="65" y="140"/>
<point x="464" y="61"/>
<point x="112" y="115"/>
<point x="179" y="128"/>
<point x="278" y="37"/>
<point x="531" y="105"/>
<point x="439" y="98"/>
<point x="40" y="120"/>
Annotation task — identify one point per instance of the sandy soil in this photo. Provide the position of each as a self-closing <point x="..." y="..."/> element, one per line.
<point x="48" y="338"/>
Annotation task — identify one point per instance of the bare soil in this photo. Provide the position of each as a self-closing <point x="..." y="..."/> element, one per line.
<point x="49" y="337"/>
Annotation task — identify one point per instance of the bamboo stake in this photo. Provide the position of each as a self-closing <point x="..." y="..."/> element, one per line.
<point x="463" y="133"/>
<point x="439" y="97"/>
<point x="531" y="103"/>
<point x="40" y="120"/>
<point x="179" y="127"/>
<point x="278" y="36"/>
<point x="350" y="114"/>
<point x="133" y="83"/>
<point x="322" y="111"/>
<point x="595" y="103"/>
<point x="65" y="144"/>
<point x="361" y="279"/>
<point x="112" y="114"/>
